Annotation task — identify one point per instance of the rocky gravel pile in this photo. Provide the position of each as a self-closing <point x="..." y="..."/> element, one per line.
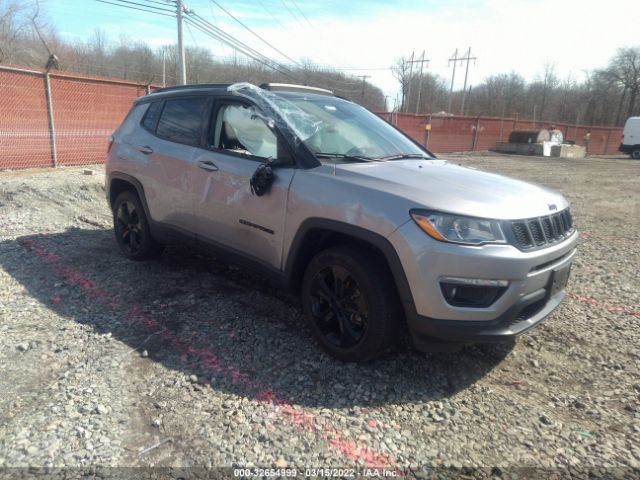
<point x="187" y="362"/>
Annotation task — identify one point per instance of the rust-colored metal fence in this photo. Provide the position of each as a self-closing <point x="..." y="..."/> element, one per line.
<point x="59" y="118"/>
<point x="462" y="134"/>
<point x="56" y="118"/>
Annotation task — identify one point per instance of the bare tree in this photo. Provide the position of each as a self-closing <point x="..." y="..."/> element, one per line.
<point x="549" y="83"/>
<point x="624" y="67"/>
<point x="13" y="28"/>
<point x="400" y="71"/>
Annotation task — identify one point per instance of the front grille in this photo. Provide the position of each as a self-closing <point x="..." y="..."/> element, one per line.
<point x="520" y="232"/>
<point x="546" y="227"/>
<point x="540" y="231"/>
<point x="536" y="232"/>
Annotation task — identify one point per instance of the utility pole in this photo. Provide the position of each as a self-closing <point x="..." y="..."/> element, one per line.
<point x="466" y="58"/>
<point x="364" y="81"/>
<point x="453" y="77"/>
<point x="406" y="103"/>
<point x="182" y="69"/>
<point x="164" y="67"/>
<point x="421" y="62"/>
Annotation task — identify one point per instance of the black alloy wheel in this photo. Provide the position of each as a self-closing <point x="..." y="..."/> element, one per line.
<point x="351" y="302"/>
<point x="129" y="228"/>
<point x="339" y="309"/>
<point x="132" y="228"/>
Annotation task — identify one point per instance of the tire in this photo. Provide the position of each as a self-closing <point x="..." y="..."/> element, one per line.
<point x="131" y="228"/>
<point x="635" y="154"/>
<point x="351" y="303"/>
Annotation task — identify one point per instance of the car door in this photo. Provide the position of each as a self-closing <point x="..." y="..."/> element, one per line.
<point x="168" y="143"/>
<point x="226" y="211"/>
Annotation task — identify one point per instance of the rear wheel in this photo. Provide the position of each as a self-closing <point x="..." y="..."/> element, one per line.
<point x="351" y="303"/>
<point x="131" y="228"/>
<point x="635" y="154"/>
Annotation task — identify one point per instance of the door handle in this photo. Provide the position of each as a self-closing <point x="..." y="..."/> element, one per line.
<point x="207" y="165"/>
<point x="146" y="149"/>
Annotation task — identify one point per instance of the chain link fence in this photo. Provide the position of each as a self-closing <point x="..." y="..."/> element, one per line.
<point x="57" y="118"/>
<point x="447" y="134"/>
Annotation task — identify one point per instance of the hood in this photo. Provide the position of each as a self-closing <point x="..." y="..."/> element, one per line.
<point x="442" y="186"/>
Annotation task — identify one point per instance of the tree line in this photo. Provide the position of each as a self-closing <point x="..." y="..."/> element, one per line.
<point x="27" y="39"/>
<point x="608" y="96"/>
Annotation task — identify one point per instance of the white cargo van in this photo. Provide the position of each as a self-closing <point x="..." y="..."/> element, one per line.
<point x="631" y="138"/>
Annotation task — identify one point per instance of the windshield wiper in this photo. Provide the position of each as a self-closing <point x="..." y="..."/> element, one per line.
<point x="404" y="156"/>
<point x="349" y="158"/>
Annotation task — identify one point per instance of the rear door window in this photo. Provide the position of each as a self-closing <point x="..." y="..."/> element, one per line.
<point x="182" y="120"/>
<point x="151" y="117"/>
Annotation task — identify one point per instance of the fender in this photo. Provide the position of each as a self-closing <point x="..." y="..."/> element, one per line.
<point x="136" y="184"/>
<point x="297" y="257"/>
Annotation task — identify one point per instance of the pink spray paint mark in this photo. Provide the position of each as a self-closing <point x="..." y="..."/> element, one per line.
<point x="592" y="302"/>
<point x="351" y="449"/>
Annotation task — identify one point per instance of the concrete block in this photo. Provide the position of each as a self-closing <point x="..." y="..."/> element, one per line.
<point x="568" y="151"/>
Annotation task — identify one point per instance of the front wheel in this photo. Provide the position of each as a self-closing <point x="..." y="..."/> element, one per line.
<point x="131" y="227"/>
<point x="635" y="154"/>
<point x="351" y="303"/>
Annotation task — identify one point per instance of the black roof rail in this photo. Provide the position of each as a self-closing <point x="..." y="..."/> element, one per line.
<point x="192" y="86"/>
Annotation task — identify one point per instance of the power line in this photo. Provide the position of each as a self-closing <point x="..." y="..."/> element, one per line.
<point x="253" y="33"/>
<point x="406" y="102"/>
<point x="364" y="82"/>
<point x="223" y="46"/>
<point x="466" y="58"/>
<point x="147" y="4"/>
<point x="421" y="62"/>
<point x="214" y="32"/>
<point x="295" y="4"/>
<point x="225" y="37"/>
<point x="453" y="77"/>
<point x="291" y="12"/>
<point x="235" y="43"/>
<point x="165" y="3"/>
<point x="142" y="5"/>
<point x="134" y="8"/>
<point x="272" y="16"/>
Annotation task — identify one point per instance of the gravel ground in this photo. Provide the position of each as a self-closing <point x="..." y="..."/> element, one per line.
<point x="186" y="362"/>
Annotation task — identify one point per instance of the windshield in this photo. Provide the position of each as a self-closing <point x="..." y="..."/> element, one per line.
<point x="330" y="126"/>
<point x="338" y="127"/>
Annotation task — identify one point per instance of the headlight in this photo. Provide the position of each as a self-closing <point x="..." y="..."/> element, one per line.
<point x="458" y="229"/>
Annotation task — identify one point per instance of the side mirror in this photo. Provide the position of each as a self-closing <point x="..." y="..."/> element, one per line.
<point x="262" y="179"/>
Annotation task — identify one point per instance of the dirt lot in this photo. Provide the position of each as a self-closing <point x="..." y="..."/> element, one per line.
<point x="102" y="358"/>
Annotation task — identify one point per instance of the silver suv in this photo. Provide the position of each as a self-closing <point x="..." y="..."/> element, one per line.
<point x="333" y="203"/>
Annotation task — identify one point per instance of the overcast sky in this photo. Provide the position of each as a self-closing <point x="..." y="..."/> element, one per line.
<point x="365" y="36"/>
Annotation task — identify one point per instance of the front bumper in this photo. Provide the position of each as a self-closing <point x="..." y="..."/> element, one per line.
<point x="526" y="302"/>
<point x="532" y="310"/>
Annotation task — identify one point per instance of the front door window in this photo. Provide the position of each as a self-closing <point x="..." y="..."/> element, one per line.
<point x="239" y="129"/>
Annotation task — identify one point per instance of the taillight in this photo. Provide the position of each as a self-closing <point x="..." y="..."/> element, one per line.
<point x="110" y="143"/>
